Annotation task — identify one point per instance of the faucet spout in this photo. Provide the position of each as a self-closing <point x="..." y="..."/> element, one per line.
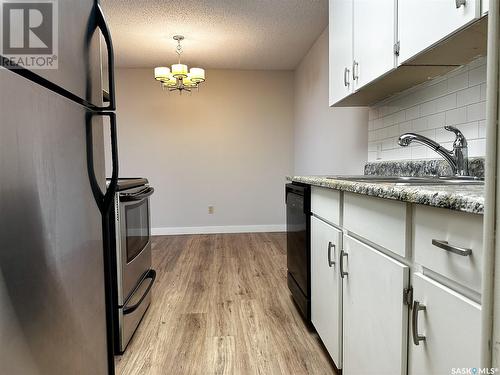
<point x="456" y="158"/>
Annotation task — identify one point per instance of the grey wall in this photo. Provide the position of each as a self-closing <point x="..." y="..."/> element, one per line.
<point x="229" y="145"/>
<point x="327" y="140"/>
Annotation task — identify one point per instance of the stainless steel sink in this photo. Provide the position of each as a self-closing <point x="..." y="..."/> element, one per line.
<point x="409" y="180"/>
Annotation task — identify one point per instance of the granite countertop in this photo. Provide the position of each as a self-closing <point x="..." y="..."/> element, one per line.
<point x="465" y="198"/>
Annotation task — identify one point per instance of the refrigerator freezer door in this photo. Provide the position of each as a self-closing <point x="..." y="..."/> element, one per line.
<point x="52" y="307"/>
<point x="78" y="52"/>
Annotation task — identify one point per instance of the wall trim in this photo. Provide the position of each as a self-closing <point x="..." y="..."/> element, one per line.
<point x="166" y="231"/>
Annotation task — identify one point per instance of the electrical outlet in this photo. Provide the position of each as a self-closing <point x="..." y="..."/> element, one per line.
<point x="210" y="210"/>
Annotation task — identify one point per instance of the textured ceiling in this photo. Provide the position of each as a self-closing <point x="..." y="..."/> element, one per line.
<point x="223" y="34"/>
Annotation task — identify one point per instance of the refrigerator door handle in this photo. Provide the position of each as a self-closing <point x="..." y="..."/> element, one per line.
<point x="103" y="26"/>
<point x="104" y="200"/>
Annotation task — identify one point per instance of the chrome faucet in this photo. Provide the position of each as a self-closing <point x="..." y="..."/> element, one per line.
<point x="457" y="158"/>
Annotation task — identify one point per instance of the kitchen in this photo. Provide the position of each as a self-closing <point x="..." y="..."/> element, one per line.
<point x="240" y="187"/>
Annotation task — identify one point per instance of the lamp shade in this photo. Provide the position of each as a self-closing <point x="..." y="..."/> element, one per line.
<point x="179" y="70"/>
<point x="197" y="75"/>
<point x="162" y="73"/>
<point x="169" y="84"/>
<point x="188" y="81"/>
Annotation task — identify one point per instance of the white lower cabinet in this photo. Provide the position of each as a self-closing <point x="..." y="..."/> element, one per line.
<point x="375" y="316"/>
<point x="447" y="328"/>
<point x="326" y="286"/>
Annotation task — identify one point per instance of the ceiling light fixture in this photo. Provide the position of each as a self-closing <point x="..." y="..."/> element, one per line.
<point x="179" y="77"/>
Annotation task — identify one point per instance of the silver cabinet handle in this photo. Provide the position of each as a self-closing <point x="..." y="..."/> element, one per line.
<point x="346" y="77"/>
<point x="342" y="255"/>
<point x="330" y="247"/>
<point x="459" y="3"/>
<point x="417" y="307"/>
<point x="355" y="74"/>
<point x="452" y="249"/>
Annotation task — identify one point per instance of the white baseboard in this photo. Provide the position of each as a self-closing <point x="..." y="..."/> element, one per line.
<point x="218" y="229"/>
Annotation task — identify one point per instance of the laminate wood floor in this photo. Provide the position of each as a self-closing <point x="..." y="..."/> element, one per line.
<point x="221" y="306"/>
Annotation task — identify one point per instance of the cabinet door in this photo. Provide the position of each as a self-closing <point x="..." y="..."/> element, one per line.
<point x="374" y="38"/>
<point x="326" y="287"/>
<point x="340" y="52"/>
<point x="485" y="5"/>
<point x="451" y="325"/>
<point x="440" y="17"/>
<point x="375" y="317"/>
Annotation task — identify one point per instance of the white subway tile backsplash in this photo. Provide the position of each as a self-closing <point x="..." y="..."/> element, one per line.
<point x="477" y="147"/>
<point x="457" y="98"/>
<point x="419" y="124"/>
<point x="456" y="116"/>
<point x="412" y="113"/>
<point x="476" y="111"/>
<point x="419" y="152"/>
<point x="393" y="131"/>
<point x="435" y="91"/>
<point x="469" y="130"/>
<point x="378" y="123"/>
<point x="474" y="64"/>
<point x="389" y="144"/>
<point x="436" y="121"/>
<point x="405" y="127"/>
<point x="482" y="129"/>
<point x="447" y="102"/>
<point x="477" y="75"/>
<point x="469" y="96"/>
<point x="372" y="114"/>
<point x="483" y="91"/>
<point x="458" y="82"/>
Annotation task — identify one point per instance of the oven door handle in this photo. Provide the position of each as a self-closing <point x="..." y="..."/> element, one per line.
<point x="139" y="196"/>
<point x="151" y="274"/>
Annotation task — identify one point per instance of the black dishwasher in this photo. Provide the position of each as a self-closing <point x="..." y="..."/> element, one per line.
<point x="298" y="229"/>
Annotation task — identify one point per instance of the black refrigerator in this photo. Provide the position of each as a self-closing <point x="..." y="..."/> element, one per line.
<point x="54" y="289"/>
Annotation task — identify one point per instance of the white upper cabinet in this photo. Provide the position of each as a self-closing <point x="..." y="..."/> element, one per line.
<point x="340" y="39"/>
<point x="485" y="6"/>
<point x="374" y="38"/>
<point x="447" y="328"/>
<point x="424" y="23"/>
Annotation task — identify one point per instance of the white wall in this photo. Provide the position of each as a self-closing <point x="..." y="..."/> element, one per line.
<point x="457" y="98"/>
<point x="229" y="145"/>
<point x="327" y="140"/>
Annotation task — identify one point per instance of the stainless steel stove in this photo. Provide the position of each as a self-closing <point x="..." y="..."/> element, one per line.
<point x="134" y="276"/>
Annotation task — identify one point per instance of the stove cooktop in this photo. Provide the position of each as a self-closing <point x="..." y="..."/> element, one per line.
<point x="129" y="182"/>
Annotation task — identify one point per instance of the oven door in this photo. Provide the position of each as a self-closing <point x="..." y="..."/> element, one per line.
<point x="134" y="256"/>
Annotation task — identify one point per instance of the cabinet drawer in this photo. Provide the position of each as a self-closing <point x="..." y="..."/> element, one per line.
<point x="325" y="203"/>
<point x="381" y="221"/>
<point x="459" y="230"/>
